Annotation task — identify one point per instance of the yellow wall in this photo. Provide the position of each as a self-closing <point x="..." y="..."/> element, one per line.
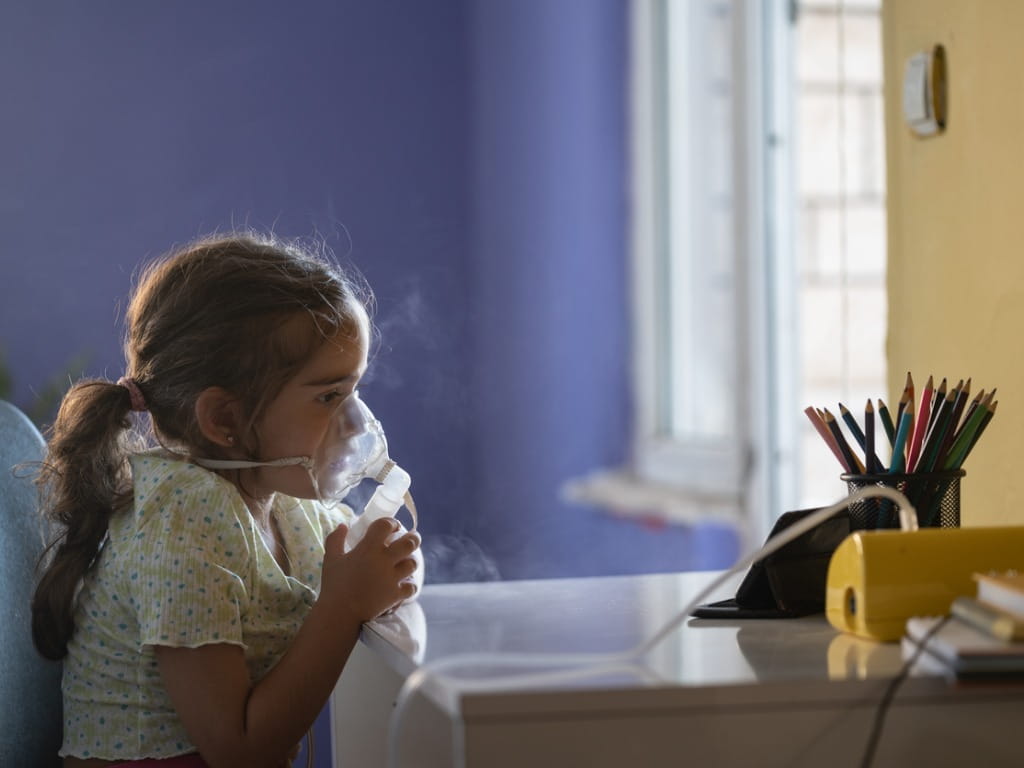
<point x="956" y="226"/>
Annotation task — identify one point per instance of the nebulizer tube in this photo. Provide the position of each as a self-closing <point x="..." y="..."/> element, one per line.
<point x="589" y="665"/>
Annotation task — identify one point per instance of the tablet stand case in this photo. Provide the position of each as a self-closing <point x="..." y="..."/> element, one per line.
<point x="790" y="582"/>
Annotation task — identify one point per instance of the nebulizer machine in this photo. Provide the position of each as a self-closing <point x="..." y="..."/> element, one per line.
<point x="353" y="449"/>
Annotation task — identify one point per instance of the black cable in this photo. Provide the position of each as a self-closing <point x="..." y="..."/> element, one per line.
<point x="890" y="694"/>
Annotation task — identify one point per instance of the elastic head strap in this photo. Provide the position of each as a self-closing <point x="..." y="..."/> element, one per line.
<point x="291" y="461"/>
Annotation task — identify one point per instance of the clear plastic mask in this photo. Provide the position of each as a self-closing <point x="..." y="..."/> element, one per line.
<point x="353" y="449"/>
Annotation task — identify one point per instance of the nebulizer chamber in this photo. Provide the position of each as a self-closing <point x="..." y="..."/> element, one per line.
<point x="387" y="499"/>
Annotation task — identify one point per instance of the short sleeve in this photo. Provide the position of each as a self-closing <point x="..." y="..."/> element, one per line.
<point x="189" y="569"/>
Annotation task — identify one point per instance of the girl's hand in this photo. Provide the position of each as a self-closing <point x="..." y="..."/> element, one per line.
<point x="417" y="576"/>
<point x="373" y="577"/>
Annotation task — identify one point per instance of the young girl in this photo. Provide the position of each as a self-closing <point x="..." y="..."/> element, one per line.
<point x="203" y="616"/>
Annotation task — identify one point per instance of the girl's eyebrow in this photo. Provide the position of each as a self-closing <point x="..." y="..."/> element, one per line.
<point x="332" y="381"/>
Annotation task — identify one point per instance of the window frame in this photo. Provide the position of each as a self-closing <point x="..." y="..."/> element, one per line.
<point x="748" y="475"/>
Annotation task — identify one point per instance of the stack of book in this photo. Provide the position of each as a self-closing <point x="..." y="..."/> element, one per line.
<point x="982" y="637"/>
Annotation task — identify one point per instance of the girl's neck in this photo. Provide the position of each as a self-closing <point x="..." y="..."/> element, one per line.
<point x="260" y="509"/>
<point x="262" y="514"/>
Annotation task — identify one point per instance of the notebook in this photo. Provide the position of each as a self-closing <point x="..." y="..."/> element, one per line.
<point x="1003" y="590"/>
<point x="962" y="649"/>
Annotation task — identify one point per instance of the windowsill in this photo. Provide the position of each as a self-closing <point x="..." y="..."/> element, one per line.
<point x="625" y="493"/>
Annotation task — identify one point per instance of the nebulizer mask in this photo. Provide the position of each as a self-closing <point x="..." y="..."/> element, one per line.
<point x="353" y="449"/>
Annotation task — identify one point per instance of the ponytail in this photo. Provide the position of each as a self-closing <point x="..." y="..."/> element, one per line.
<point x="83" y="479"/>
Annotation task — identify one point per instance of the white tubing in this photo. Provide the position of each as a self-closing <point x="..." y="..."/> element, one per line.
<point x="596" y="664"/>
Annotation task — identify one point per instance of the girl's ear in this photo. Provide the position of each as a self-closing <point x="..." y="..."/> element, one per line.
<point x="218" y="413"/>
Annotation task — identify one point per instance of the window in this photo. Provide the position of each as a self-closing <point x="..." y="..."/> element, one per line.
<point x="758" y="172"/>
<point x="713" y="270"/>
<point x="841" y="215"/>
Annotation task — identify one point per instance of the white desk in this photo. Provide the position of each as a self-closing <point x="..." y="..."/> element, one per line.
<point x="715" y="693"/>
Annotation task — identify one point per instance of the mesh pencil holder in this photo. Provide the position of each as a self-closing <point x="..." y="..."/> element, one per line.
<point x="935" y="496"/>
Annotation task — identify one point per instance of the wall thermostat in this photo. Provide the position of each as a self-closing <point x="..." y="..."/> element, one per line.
<point x="924" y="92"/>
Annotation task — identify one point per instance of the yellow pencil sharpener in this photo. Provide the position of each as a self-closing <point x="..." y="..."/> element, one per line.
<point x="879" y="579"/>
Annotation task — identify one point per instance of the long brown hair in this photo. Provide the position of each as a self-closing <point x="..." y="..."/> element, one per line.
<point x="217" y="312"/>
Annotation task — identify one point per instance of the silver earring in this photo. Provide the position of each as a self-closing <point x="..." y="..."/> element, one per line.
<point x="230" y="439"/>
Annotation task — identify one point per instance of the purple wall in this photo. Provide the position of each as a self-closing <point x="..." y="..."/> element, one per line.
<point x="469" y="158"/>
<point x="128" y="128"/>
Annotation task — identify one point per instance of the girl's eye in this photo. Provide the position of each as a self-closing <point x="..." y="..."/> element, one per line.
<point x="328" y="397"/>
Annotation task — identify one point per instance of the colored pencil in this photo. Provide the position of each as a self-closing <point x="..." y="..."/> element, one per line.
<point x="853" y="425"/>
<point x="920" y="425"/>
<point x="972" y="406"/>
<point x="954" y="417"/>
<point x="887" y="425"/>
<point x="871" y="462"/>
<point x="906" y="399"/>
<point x="958" y="450"/>
<point x="961" y="401"/>
<point x="937" y="397"/>
<point x="826" y="435"/>
<point x="981" y="398"/>
<point x="851" y="459"/>
<point x="910" y="401"/>
<point x="898" y="462"/>
<point x="933" y="440"/>
<point x="984" y="423"/>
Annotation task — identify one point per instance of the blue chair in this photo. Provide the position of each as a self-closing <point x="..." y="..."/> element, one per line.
<point x="30" y="698"/>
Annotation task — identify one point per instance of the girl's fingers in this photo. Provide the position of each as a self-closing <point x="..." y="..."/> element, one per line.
<point x="408" y="591"/>
<point x="380" y="530"/>
<point x="406" y="568"/>
<point x="406" y="545"/>
<point x="335" y="541"/>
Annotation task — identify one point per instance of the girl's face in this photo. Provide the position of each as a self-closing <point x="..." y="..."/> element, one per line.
<point x="298" y="421"/>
